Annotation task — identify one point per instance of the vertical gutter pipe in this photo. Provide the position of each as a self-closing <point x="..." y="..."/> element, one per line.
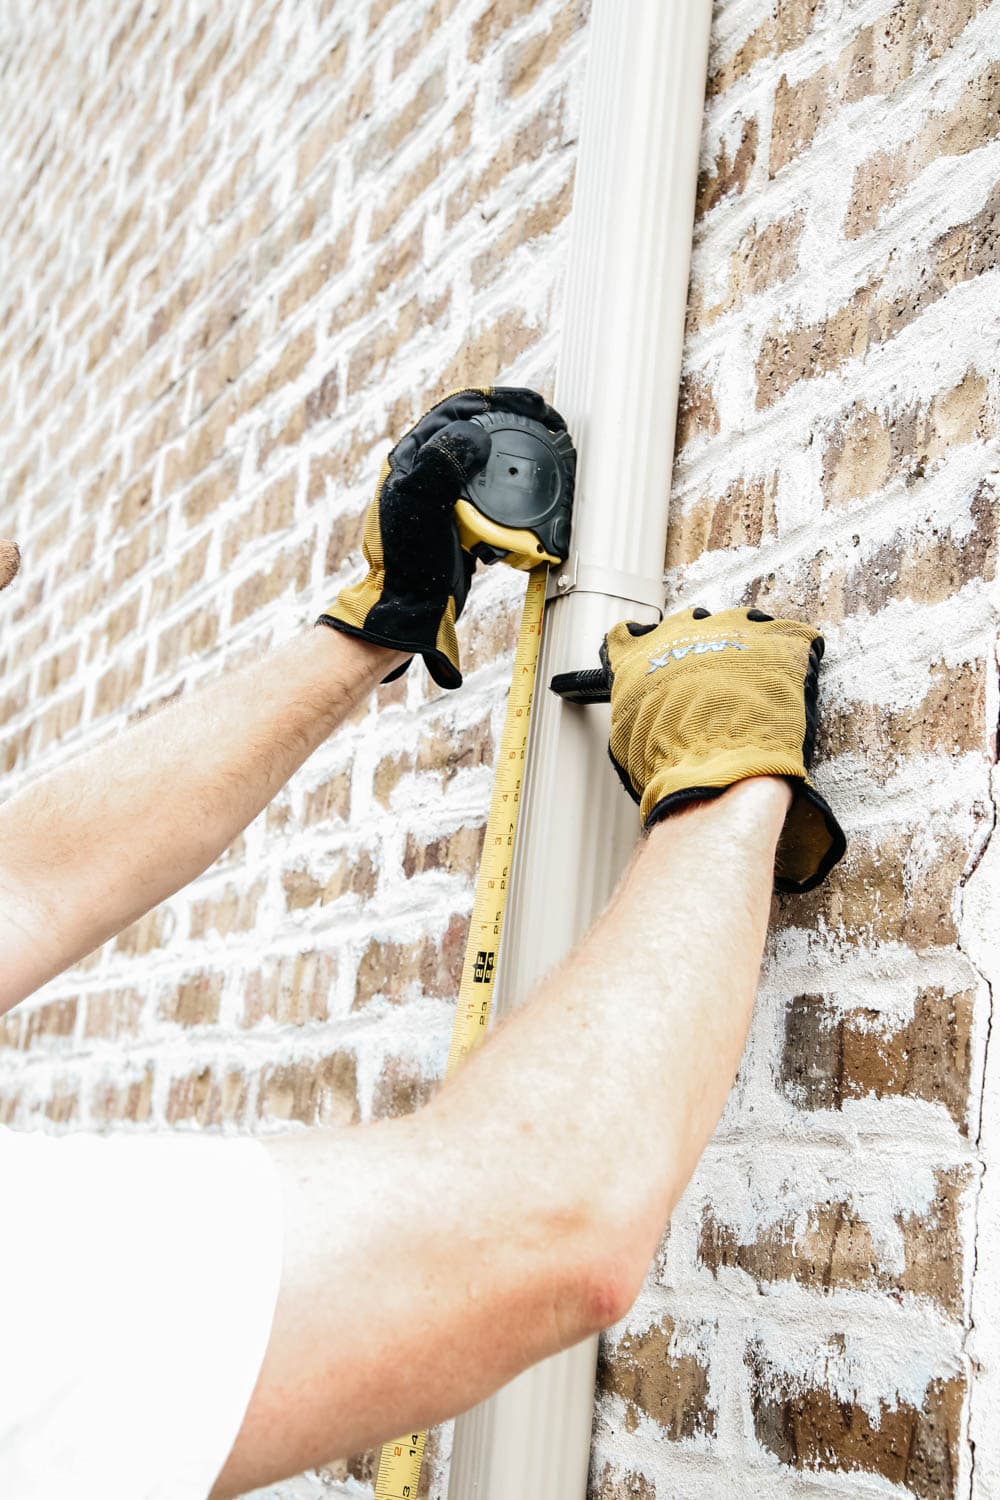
<point x="617" y="385"/>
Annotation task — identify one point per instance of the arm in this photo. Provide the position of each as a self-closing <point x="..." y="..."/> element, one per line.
<point x="92" y="846"/>
<point x="535" y="1187"/>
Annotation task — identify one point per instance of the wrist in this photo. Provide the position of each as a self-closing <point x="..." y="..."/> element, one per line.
<point x="354" y="660"/>
<point x="762" y="797"/>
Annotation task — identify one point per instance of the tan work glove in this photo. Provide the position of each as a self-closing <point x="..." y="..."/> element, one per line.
<point x="10" y="561"/>
<point x="702" y="701"/>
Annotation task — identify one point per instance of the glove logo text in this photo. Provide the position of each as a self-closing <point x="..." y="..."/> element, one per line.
<point x="695" y="648"/>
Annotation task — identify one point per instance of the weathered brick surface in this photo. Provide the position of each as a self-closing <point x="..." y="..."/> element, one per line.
<point x="808" y="1427"/>
<point x="244" y="249"/>
<point x="836" y="461"/>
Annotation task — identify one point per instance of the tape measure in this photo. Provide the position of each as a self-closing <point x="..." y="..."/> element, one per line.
<point x="400" y="1461"/>
<point x="399" y="1467"/>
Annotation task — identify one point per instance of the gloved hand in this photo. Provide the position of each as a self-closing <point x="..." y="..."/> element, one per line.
<point x="10" y="561"/>
<point x="702" y="701"/>
<point x="418" y="572"/>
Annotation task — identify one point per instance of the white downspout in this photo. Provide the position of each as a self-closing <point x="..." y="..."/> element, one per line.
<point x="617" y="386"/>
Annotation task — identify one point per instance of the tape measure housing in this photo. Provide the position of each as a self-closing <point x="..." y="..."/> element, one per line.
<point x="519" y="506"/>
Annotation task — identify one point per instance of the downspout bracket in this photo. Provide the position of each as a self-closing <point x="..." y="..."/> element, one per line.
<point x="576" y="577"/>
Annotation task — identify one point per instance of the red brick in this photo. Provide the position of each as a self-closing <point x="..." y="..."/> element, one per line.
<point x="291" y="990"/>
<point x="117" y="1098"/>
<point x="626" y="1484"/>
<point x="787" y="24"/>
<point x="235" y="910"/>
<point x="49" y="1025"/>
<point x="490" y="26"/>
<point x="331" y="799"/>
<point x="210" y="1096"/>
<point x="524" y="61"/>
<point x="884" y="891"/>
<point x="400" y="1088"/>
<point x="743" y="516"/>
<point x="831" y="1056"/>
<point x="192" y="636"/>
<point x="316" y="1093"/>
<point x="728" y="174"/>
<point x="111" y="1014"/>
<point x="453" y="853"/>
<point x="184" y="573"/>
<point x="528" y="225"/>
<point x="116" y="687"/>
<point x="273" y="510"/>
<point x="267" y="585"/>
<point x="809" y="1427"/>
<point x="389" y="135"/>
<point x="149" y="933"/>
<point x="654" y="1382"/>
<point x="192" y="1001"/>
<point x="431" y="965"/>
<point x="830" y="1245"/>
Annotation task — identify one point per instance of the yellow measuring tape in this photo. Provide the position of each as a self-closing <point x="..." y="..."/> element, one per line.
<point x="399" y="1464"/>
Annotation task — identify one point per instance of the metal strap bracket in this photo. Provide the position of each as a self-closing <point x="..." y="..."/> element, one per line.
<point x="576" y="577"/>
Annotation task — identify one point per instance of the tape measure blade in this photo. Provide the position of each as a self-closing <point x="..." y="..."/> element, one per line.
<point x="400" y="1461"/>
<point x="493" y="881"/>
<point x="399" y="1467"/>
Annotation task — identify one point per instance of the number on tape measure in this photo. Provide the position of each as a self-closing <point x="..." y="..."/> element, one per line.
<point x="399" y="1468"/>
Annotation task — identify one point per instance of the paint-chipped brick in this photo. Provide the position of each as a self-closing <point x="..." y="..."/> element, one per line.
<point x="208" y="1096"/>
<point x="831" y="1245"/>
<point x="291" y="990"/>
<point x="394" y="972"/>
<point x="808" y="1427"/>
<point x="314" y="1093"/>
<point x="831" y="1056"/>
<point x="656" y="1375"/>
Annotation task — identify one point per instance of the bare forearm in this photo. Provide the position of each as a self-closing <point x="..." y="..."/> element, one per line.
<point x="98" y="842"/>
<point x="651" y="1013"/>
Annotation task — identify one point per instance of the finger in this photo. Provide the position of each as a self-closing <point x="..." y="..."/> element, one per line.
<point x="10" y="561"/>
<point x="460" y="406"/>
<point x="618" y="640"/>
<point x="526" y="403"/>
<point x="445" y="463"/>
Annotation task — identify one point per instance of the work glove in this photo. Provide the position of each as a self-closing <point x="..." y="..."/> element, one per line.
<point x="10" y="561"/>
<point x="702" y="701"/>
<point x="418" y="571"/>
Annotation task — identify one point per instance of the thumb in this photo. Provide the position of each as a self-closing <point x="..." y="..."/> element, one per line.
<point x="466" y="445"/>
<point x="445" y="463"/>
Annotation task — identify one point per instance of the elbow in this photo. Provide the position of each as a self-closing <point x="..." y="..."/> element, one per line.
<point x="606" y="1291"/>
<point x="619" y="1231"/>
<point x="604" y="1273"/>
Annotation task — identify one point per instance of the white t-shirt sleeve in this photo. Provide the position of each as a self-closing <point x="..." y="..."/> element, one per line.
<point x="138" y="1279"/>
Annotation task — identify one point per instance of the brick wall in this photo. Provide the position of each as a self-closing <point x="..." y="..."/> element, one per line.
<point x="243" y="246"/>
<point x="810" y="1328"/>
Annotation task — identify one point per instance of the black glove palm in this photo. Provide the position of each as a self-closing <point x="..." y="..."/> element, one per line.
<point x="418" y="573"/>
